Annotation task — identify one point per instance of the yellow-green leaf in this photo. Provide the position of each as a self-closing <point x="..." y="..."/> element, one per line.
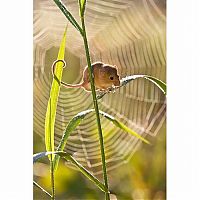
<point x="52" y="103"/>
<point x="123" y="126"/>
<point x="68" y="157"/>
<point x="82" y="6"/>
<point x="76" y="120"/>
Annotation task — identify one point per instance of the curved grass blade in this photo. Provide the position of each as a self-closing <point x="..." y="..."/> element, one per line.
<point x="40" y="155"/>
<point x="86" y="173"/>
<point x="127" y="79"/>
<point x="68" y="157"/>
<point x="77" y="120"/>
<point x="123" y="126"/>
<point x="41" y="188"/>
<point x="154" y="80"/>
<point x="52" y="103"/>
<point x="157" y="82"/>
<point x="37" y="156"/>
<point x="73" y="123"/>
<point x="68" y="15"/>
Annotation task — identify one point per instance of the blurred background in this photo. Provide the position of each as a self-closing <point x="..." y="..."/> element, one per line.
<point x="132" y="35"/>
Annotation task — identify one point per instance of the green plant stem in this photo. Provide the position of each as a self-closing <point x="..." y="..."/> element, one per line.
<point x="107" y="197"/>
<point x="51" y="160"/>
<point x="52" y="179"/>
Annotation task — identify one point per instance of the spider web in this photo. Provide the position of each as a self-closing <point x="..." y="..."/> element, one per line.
<point x="130" y="34"/>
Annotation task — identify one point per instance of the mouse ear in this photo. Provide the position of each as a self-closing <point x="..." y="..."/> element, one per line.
<point x="116" y="69"/>
<point x="102" y="70"/>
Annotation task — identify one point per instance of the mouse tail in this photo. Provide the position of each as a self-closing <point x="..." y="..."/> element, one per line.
<point x="63" y="83"/>
<point x="72" y="85"/>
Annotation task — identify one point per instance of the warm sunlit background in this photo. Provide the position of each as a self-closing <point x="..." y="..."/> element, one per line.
<point x="130" y="34"/>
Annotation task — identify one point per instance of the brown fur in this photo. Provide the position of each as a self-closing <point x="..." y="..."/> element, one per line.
<point x="103" y="73"/>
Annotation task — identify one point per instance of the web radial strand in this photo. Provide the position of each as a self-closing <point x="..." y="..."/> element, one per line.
<point x="129" y="34"/>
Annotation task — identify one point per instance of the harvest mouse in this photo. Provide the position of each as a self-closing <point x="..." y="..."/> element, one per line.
<point x="105" y="76"/>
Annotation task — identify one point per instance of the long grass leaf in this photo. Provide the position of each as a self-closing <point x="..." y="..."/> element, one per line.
<point x="123" y="126"/>
<point x="86" y="173"/>
<point x="68" y="157"/>
<point x="157" y="82"/>
<point x="76" y="120"/>
<point x="41" y="188"/>
<point x="154" y="80"/>
<point x="52" y="103"/>
<point x="68" y="15"/>
<point x="127" y="79"/>
<point x="73" y="123"/>
<point x="37" y="156"/>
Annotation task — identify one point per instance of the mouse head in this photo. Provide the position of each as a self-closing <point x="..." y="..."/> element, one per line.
<point x="110" y="75"/>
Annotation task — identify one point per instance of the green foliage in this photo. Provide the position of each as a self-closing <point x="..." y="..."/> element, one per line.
<point x="68" y="157"/>
<point x="157" y="82"/>
<point x="123" y="126"/>
<point x="41" y="188"/>
<point x="82" y="4"/>
<point x="68" y="15"/>
<point x="127" y="79"/>
<point x="76" y="120"/>
<point x="154" y="80"/>
<point x="52" y="103"/>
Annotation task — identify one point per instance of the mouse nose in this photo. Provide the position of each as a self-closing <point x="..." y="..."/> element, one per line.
<point x="117" y="83"/>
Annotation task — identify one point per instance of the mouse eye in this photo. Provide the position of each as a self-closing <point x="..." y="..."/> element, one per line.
<point x="111" y="77"/>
